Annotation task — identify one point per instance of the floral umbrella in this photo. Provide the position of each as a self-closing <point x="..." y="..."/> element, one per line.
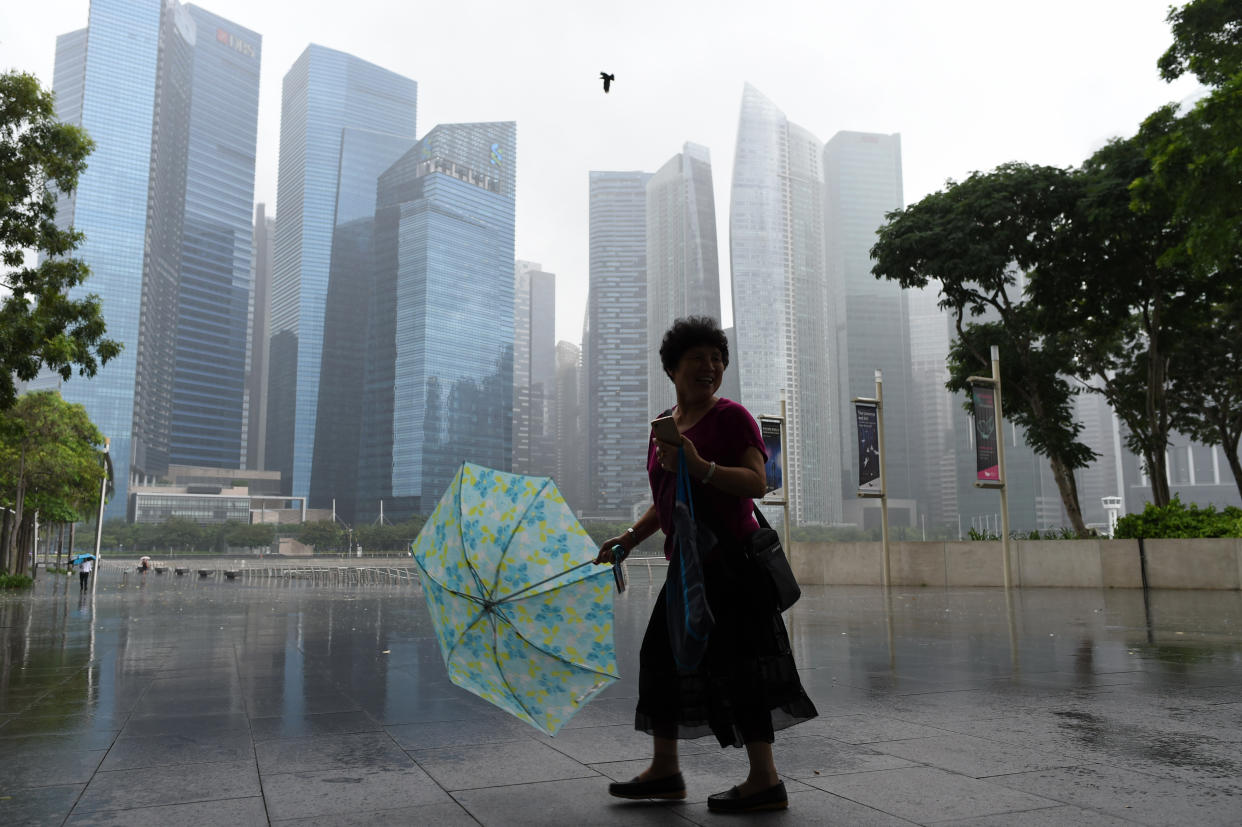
<point x="523" y="616"/>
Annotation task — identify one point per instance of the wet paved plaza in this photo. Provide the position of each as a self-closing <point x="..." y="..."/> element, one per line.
<point x="201" y="702"/>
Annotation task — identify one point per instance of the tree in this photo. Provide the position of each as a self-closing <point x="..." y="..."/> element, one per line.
<point x="49" y="459"/>
<point x="980" y="240"/>
<point x="40" y="326"/>
<point x="1118" y="303"/>
<point x="1195" y="160"/>
<point x="252" y="535"/>
<point x="322" y="535"/>
<point x="1207" y="372"/>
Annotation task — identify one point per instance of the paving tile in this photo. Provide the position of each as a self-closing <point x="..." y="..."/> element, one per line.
<point x="1044" y="817"/>
<point x="39" y="806"/>
<point x="327" y="723"/>
<point x="926" y="794"/>
<point x="976" y="757"/>
<point x="185" y="724"/>
<point x="349" y="791"/>
<point x="577" y="801"/>
<point x="180" y="784"/>
<point x="1131" y="795"/>
<point x="442" y="815"/>
<point x="234" y="812"/>
<point x="47" y="768"/>
<point x="811" y="757"/>
<point x="862" y="729"/>
<point x="490" y="765"/>
<point x="595" y="745"/>
<point x="461" y="733"/>
<point x="322" y="752"/>
<point x="166" y="750"/>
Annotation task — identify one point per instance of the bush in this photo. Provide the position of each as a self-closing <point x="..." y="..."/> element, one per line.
<point x="1176" y="520"/>
<point x="16" y="581"/>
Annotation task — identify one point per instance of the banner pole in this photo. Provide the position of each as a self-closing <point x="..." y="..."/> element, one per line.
<point x="879" y="410"/>
<point x="788" y="487"/>
<point x="1000" y="458"/>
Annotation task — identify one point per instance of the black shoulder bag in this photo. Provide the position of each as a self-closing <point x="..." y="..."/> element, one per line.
<point x="763" y="548"/>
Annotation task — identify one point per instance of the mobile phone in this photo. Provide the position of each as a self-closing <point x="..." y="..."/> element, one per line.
<point x="618" y="573"/>
<point x="665" y="430"/>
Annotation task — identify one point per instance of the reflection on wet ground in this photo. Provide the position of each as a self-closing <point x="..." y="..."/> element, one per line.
<point x="230" y="702"/>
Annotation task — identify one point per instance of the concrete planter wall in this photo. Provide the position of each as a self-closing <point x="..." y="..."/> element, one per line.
<point x="1171" y="564"/>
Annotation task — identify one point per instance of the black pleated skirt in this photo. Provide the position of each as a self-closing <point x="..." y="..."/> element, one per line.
<point x="747" y="686"/>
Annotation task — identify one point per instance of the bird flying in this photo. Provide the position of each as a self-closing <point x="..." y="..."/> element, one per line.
<point x="608" y="79"/>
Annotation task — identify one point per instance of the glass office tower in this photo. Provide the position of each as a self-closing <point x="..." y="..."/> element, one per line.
<point x="615" y="346"/>
<point x="334" y="471"/>
<point x="324" y="93"/>
<point x="683" y="261"/>
<point x="105" y="82"/>
<point x="207" y="111"/>
<point x="781" y="299"/>
<point x="439" y="368"/>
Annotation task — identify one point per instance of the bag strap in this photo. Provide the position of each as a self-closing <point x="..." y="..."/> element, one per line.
<point x="683" y="481"/>
<point x="763" y="522"/>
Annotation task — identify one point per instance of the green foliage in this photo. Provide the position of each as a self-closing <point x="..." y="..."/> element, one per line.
<point x="389" y="537"/>
<point x="323" y="535"/>
<point x="1176" y="520"/>
<point x="56" y="570"/>
<point x="40" y="325"/>
<point x="16" y="581"/>
<point x="251" y="535"/>
<point x="1195" y="155"/>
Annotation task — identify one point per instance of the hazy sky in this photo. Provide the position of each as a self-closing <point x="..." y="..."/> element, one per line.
<point x="969" y="84"/>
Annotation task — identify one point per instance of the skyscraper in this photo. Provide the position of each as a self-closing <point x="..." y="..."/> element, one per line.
<point x="862" y="172"/>
<point x="347" y="318"/>
<point x="781" y="298"/>
<point x="325" y="93"/>
<point x="257" y="338"/>
<point x="534" y="370"/>
<point x="439" y="369"/>
<point x="615" y="345"/>
<point x="570" y="474"/>
<point x="170" y="95"/>
<point x="203" y="159"/>
<point x="683" y="261"/>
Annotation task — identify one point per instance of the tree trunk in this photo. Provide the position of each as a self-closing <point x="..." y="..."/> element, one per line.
<point x="1068" y="487"/>
<point x="1158" y="471"/>
<point x="12" y="555"/>
<point x="60" y="543"/>
<point x="25" y="532"/>
<point x="73" y="533"/>
<point x="6" y="528"/>
<point x="1235" y="466"/>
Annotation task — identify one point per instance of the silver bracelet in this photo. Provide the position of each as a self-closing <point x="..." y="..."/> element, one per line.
<point x="711" y="469"/>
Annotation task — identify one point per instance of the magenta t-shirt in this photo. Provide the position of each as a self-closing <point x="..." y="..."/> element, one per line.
<point x="721" y="436"/>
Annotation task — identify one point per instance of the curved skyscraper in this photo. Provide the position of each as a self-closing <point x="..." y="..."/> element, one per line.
<point x="683" y="261"/>
<point x="340" y="115"/>
<point x="781" y="299"/>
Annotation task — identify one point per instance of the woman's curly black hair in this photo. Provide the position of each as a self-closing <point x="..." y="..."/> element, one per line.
<point x="688" y="333"/>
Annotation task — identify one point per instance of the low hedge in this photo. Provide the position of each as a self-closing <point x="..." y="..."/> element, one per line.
<point x="1177" y="520"/>
<point x="16" y="581"/>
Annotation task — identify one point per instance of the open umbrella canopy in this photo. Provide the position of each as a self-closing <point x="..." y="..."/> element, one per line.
<point x="523" y="616"/>
<point x="78" y="558"/>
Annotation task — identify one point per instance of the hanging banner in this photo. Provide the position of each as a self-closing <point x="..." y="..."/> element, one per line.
<point x="771" y="427"/>
<point x="868" y="448"/>
<point x="987" y="464"/>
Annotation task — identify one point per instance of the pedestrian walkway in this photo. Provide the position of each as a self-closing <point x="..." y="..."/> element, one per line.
<point x="209" y="701"/>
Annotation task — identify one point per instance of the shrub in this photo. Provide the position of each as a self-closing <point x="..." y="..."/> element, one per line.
<point x="1177" y="520"/>
<point x="16" y="581"/>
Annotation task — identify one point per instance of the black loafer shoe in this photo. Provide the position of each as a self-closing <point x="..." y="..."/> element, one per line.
<point x="773" y="798"/>
<point x="668" y="787"/>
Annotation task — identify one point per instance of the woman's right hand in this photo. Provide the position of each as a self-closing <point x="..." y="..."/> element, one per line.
<point x="605" y="550"/>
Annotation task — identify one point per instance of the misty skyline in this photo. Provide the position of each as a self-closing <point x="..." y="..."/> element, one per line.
<point x="968" y="84"/>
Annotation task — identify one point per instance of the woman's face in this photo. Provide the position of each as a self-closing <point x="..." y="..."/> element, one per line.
<point x="699" y="373"/>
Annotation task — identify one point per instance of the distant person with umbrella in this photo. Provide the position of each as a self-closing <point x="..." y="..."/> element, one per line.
<point x="746" y="686"/>
<point x="86" y="564"/>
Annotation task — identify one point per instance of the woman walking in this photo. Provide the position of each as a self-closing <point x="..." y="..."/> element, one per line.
<point x="747" y="685"/>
